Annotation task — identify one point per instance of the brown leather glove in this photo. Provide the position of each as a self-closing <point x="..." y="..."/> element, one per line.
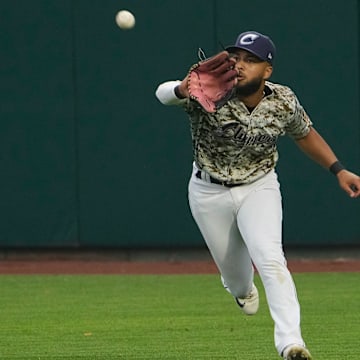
<point x="210" y="82"/>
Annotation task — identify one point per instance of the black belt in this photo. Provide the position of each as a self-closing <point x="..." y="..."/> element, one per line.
<point x="216" y="181"/>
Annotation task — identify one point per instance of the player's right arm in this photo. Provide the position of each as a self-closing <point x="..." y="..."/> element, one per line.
<point x="173" y="92"/>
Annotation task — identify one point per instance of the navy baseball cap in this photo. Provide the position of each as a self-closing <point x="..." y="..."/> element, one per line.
<point x="256" y="43"/>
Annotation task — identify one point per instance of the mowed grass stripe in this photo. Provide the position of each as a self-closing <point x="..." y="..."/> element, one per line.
<point x="166" y="317"/>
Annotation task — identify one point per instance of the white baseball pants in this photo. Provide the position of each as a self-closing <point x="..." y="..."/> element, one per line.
<point x="242" y="227"/>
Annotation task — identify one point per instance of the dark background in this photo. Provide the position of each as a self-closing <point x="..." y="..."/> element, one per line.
<point x="90" y="158"/>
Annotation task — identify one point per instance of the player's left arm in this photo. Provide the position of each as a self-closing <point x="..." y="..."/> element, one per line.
<point x="318" y="150"/>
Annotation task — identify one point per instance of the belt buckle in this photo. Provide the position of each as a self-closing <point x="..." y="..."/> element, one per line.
<point x="227" y="184"/>
<point x="212" y="180"/>
<point x="219" y="182"/>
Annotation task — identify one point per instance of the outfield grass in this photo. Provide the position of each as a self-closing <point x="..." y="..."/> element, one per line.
<point x="166" y="317"/>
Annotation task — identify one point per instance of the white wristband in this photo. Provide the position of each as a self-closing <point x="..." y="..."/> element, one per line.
<point x="166" y="93"/>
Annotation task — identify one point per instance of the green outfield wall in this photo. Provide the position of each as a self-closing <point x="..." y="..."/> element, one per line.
<point x="90" y="158"/>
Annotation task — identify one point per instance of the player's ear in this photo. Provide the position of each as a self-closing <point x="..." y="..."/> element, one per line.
<point x="267" y="72"/>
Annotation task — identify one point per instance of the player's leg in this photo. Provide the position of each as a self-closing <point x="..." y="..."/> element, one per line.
<point x="260" y="222"/>
<point x="213" y="210"/>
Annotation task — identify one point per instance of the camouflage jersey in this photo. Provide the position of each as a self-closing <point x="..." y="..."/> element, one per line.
<point x="239" y="146"/>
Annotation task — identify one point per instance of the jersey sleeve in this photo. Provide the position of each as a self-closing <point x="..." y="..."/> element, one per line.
<point x="300" y="123"/>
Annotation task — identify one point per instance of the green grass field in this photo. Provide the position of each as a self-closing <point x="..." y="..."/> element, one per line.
<point x="166" y="317"/>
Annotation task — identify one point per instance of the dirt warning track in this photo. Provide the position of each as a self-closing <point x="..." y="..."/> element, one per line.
<point x="155" y="267"/>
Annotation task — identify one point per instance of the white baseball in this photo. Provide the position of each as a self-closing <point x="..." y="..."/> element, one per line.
<point x="125" y="19"/>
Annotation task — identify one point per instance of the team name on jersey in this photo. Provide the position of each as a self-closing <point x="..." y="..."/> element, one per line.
<point x="235" y="131"/>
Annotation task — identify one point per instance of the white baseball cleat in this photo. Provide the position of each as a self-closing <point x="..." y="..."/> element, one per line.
<point x="296" y="352"/>
<point x="250" y="304"/>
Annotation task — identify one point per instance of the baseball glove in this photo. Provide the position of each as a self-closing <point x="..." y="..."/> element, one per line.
<point x="210" y="82"/>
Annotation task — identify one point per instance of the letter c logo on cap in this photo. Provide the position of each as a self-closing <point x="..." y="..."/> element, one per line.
<point x="248" y="39"/>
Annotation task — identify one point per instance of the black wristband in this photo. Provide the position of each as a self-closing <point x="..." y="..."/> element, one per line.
<point x="336" y="167"/>
<point x="177" y="93"/>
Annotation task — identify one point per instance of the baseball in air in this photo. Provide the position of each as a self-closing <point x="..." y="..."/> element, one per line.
<point x="125" y="20"/>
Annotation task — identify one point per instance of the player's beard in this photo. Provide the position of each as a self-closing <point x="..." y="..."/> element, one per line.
<point x="249" y="88"/>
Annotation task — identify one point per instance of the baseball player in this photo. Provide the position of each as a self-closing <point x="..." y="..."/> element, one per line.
<point x="234" y="193"/>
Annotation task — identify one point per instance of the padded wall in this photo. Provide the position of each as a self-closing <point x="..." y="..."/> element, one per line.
<point x="90" y="158"/>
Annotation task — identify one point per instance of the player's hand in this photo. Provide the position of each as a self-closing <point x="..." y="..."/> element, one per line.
<point x="349" y="182"/>
<point x="183" y="88"/>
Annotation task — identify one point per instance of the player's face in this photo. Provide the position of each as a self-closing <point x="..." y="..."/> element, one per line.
<point x="252" y="72"/>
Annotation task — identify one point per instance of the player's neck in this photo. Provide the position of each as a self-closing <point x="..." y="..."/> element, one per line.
<point x="252" y="100"/>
